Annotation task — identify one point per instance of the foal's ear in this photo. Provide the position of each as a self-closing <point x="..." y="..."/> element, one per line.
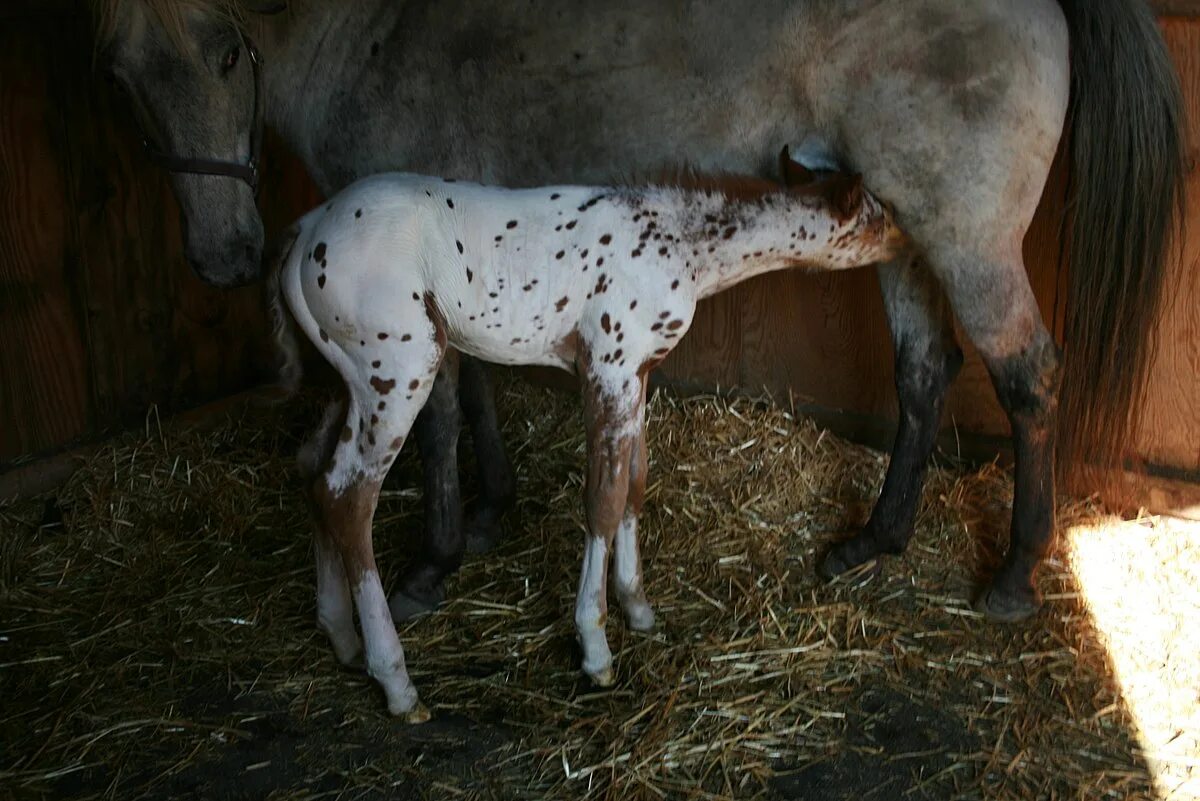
<point x="794" y="173"/>
<point x="844" y="192"/>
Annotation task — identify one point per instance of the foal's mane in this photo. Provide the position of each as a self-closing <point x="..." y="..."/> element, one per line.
<point x="732" y="186"/>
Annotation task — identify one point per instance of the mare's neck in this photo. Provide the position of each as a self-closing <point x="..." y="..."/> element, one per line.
<point x="310" y="51"/>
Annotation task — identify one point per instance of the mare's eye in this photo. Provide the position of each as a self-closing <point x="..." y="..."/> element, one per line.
<point x="231" y="58"/>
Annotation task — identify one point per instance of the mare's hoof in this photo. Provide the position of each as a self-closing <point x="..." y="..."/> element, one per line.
<point x="484" y="533"/>
<point x="1007" y="607"/>
<point x="839" y="564"/>
<point x="405" y="607"/>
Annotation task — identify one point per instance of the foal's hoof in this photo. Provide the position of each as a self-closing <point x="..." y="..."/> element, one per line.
<point x="405" y="607"/>
<point x="839" y="563"/>
<point x="605" y="677"/>
<point x="418" y="714"/>
<point x="1007" y="607"/>
<point x="484" y="532"/>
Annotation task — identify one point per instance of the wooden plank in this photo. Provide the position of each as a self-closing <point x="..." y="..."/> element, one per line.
<point x="1176" y="8"/>
<point x="1169" y="432"/>
<point x="44" y="386"/>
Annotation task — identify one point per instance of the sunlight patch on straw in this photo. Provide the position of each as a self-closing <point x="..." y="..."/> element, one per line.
<point x="1141" y="583"/>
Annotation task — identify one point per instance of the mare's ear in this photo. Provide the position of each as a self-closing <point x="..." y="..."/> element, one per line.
<point x="794" y="173"/>
<point x="844" y="192"/>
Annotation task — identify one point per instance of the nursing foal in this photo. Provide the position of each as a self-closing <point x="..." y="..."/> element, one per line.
<point x="399" y="269"/>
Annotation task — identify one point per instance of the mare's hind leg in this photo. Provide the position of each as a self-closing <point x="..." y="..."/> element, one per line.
<point x="497" y="482"/>
<point x="422" y="588"/>
<point x="996" y="306"/>
<point x="927" y="360"/>
<point x="626" y="575"/>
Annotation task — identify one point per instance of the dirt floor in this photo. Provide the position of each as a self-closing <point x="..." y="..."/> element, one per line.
<point x="157" y="637"/>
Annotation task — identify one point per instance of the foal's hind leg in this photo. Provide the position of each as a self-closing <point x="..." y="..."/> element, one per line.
<point x="995" y="303"/>
<point x="927" y="360"/>
<point x="421" y="588"/>
<point x="627" y="561"/>
<point x="610" y="439"/>
<point x="377" y="422"/>
<point x="497" y="483"/>
<point x="335" y="610"/>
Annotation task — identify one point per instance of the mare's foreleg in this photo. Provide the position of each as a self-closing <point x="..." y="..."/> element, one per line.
<point x="497" y="482"/>
<point x="927" y="360"/>
<point x="993" y="299"/>
<point x="437" y="427"/>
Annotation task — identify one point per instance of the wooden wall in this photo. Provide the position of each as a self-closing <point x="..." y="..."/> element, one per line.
<point x="100" y="316"/>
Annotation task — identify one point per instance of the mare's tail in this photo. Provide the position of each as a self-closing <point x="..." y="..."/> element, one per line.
<point x="1128" y="165"/>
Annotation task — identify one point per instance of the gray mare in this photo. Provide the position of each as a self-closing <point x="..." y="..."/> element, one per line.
<point x="951" y="110"/>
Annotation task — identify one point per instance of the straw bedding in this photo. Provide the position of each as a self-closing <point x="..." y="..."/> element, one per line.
<point x="156" y="617"/>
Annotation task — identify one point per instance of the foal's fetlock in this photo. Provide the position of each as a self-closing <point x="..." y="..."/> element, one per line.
<point x="639" y="615"/>
<point x="347" y="647"/>
<point x="403" y="702"/>
<point x="600" y="672"/>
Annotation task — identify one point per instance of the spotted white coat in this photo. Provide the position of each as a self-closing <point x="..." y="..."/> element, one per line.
<point x="604" y="282"/>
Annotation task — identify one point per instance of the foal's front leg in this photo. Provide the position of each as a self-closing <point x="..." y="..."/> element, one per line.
<point x="335" y="608"/>
<point x="610" y="421"/>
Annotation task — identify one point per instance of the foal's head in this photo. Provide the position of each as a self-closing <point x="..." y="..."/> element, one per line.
<point x="843" y="194"/>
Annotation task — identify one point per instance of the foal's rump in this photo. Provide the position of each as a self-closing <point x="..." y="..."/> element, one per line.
<point x="348" y="266"/>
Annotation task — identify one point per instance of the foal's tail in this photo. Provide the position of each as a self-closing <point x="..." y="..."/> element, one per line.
<point x="283" y="324"/>
<point x="1128" y="168"/>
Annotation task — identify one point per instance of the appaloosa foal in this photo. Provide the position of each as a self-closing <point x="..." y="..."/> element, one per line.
<point x="399" y="268"/>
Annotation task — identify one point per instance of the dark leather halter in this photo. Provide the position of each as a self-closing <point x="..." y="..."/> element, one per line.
<point x="247" y="172"/>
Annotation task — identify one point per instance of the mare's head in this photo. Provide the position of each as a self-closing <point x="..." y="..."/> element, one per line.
<point x="185" y="67"/>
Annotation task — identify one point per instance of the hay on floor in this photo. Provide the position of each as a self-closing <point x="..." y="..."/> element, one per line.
<point x="156" y="618"/>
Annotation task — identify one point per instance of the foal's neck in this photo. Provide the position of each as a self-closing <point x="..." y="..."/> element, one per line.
<point x="725" y="241"/>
